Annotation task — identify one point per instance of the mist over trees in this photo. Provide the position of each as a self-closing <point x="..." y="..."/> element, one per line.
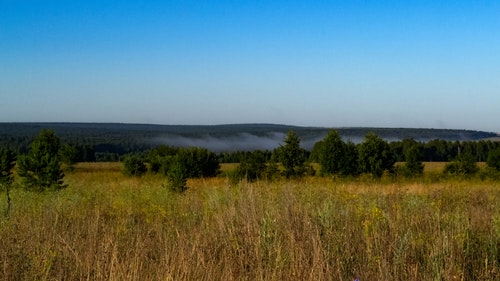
<point x="335" y="154"/>
<point x="39" y="168"/>
<point x="101" y="142"/>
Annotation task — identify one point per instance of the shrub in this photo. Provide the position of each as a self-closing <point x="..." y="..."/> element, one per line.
<point x="493" y="160"/>
<point x="463" y="165"/>
<point x="272" y="170"/>
<point x="158" y="158"/>
<point x="199" y="162"/>
<point x="177" y="176"/>
<point x="134" y="166"/>
<point x="7" y="163"/>
<point x="251" y="167"/>
<point x="68" y="156"/>
<point x="413" y="165"/>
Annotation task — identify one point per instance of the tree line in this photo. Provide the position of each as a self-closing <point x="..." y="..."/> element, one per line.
<point x="41" y="167"/>
<point x="111" y="142"/>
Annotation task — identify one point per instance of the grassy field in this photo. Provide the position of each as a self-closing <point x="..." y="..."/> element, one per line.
<point x="106" y="226"/>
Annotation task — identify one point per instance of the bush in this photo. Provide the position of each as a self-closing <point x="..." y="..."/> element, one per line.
<point x="199" y="162"/>
<point x="7" y="163"/>
<point x="134" y="166"/>
<point x="462" y="165"/>
<point x="272" y="170"/>
<point x="177" y="176"/>
<point x="413" y="165"/>
<point x="493" y="160"/>
<point x="159" y="158"/>
<point x="251" y="167"/>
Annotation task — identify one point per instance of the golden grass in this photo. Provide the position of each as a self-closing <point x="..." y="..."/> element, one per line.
<point x="106" y="226"/>
<point x="439" y="166"/>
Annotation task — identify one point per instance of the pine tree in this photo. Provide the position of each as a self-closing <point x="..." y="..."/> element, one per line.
<point x="40" y="169"/>
<point x="291" y="155"/>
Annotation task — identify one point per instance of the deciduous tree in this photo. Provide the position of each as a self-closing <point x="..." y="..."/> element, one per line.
<point x="332" y="152"/>
<point x="413" y="165"/>
<point x="337" y="157"/>
<point x="375" y="156"/>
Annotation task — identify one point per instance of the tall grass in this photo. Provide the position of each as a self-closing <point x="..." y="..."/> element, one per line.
<point x="106" y="226"/>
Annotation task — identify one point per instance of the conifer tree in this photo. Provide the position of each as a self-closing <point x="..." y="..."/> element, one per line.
<point x="291" y="155"/>
<point x="40" y="169"/>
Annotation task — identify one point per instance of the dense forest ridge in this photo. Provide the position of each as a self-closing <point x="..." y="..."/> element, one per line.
<point x="110" y="141"/>
<point x="123" y="138"/>
<point x="94" y="129"/>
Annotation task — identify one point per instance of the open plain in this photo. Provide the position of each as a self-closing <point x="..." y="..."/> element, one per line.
<point x="106" y="226"/>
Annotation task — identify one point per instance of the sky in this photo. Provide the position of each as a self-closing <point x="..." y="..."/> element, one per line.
<point x="419" y="64"/>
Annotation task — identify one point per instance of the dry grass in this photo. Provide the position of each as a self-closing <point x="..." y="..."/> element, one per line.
<point x="106" y="226"/>
<point x="439" y="166"/>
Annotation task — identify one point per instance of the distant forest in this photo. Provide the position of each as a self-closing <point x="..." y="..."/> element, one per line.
<point x="111" y="141"/>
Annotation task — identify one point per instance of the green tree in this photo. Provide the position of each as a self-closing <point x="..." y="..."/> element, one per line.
<point x="272" y="170"/>
<point x="413" y="165"/>
<point x="134" y="166"/>
<point x="199" y="162"/>
<point x="291" y="155"/>
<point x="40" y="169"/>
<point x="375" y="156"/>
<point x="493" y="160"/>
<point x="68" y="155"/>
<point x="463" y="165"/>
<point x="177" y="175"/>
<point x="317" y="151"/>
<point x="337" y="157"/>
<point x="252" y="167"/>
<point x="7" y="163"/>
<point x="351" y="156"/>
<point x="332" y="152"/>
<point x="157" y="157"/>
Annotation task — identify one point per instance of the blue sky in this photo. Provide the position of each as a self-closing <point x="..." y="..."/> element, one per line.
<point x="426" y="64"/>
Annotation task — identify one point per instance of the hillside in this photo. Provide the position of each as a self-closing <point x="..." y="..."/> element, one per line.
<point x="230" y="137"/>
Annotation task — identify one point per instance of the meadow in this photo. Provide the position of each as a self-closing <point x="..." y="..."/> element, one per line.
<point x="106" y="226"/>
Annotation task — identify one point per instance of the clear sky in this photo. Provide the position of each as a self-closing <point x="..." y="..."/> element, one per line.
<point x="376" y="63"/>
